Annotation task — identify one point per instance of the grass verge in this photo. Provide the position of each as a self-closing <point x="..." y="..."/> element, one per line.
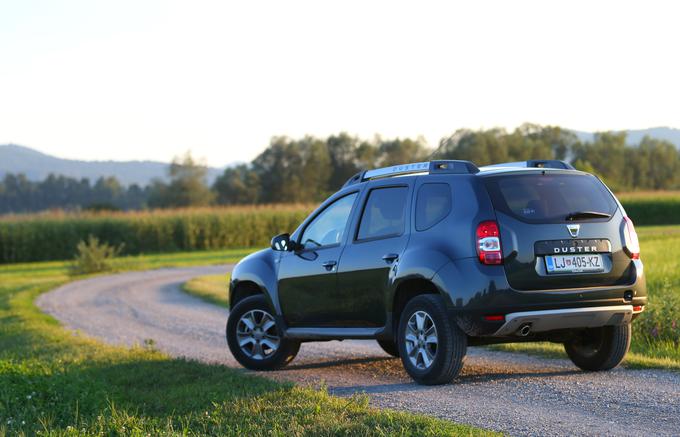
<point x="53" y="382"/>
<point x="634" y="360"/>
<point x="211" y="288"/>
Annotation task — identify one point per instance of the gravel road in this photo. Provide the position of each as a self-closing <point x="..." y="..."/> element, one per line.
<point x="513" y="393"/>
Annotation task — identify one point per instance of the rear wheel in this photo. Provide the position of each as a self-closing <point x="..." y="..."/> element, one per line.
<point x="600" y="348"/>
<point x="254" y="339"/>
<point x="432" y="347"/>
<point x="390" y="347"/>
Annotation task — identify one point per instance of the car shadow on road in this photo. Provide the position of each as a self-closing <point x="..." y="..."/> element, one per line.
<point x="339" y="363"/>
<point x="389" y="375"/>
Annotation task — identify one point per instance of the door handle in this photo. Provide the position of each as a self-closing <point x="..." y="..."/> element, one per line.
<point x="328" y="265"/>
<point x="390" y="257"/>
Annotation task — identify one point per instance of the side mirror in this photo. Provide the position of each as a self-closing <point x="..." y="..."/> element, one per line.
<point x="282" y="243"/>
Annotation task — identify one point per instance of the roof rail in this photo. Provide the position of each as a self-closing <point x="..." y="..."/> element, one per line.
<point x="427" y="167"/>
<point x="535" y="163"/>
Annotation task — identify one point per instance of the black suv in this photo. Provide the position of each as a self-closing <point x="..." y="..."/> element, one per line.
<point x="431" y="257"/>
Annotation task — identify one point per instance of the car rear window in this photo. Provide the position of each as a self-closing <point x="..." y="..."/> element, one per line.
<point x="549" y="197"/>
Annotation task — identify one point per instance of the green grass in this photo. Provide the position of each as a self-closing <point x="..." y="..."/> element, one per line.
<point x="656" y="332"/>
<point x="634" y="360"/>
<point x="211" y="288"/>
<point x="57" y="383"/>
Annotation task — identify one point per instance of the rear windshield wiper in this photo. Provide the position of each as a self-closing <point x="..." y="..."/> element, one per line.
<point x="586" y="215"/>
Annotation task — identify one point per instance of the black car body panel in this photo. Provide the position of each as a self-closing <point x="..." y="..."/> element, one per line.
<point x="353" y="287"/>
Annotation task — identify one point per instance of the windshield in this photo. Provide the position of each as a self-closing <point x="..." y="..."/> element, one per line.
<point x="551" y="197"/>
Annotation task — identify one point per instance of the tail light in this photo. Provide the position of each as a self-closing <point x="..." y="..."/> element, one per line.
<point x="489" y="243"/>
<point x="632" y="244"/>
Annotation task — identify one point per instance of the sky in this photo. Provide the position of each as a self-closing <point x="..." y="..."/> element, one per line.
<point x="132" y="80"/>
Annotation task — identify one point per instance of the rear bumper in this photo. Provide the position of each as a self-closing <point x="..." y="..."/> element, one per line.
<point x="548" y="320"/>
<point x="474" y="291"/>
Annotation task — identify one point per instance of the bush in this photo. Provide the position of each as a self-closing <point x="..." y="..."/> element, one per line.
<point x="93" y="257"/>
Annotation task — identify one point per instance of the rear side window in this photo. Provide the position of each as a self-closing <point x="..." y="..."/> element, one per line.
<point x="549" y="197"/>
<point x="432" y="205"/>
<point x="384" y="214"/>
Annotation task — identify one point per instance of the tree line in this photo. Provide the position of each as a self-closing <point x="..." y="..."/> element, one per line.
<point x="18" y="194"/>
<point x="308" y="169"/>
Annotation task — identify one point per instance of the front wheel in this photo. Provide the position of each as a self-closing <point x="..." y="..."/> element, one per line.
<point x="600" y="348"/>
<point x="254" y="339"/>
<point x="432" y="347"/>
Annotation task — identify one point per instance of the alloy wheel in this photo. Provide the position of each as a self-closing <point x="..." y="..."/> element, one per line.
<point x="256" y="334"/>
<point x="421" y="340"/>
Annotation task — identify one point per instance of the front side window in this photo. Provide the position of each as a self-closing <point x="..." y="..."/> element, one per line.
<point x="328" y="227"/>
<point x="384" y="214"/>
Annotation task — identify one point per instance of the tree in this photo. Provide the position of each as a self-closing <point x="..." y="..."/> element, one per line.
<point x="607" y="155"/>
<point x="107" y="191"/>
<point x="399" y="151"/>
<point x="187" y="185"/>
<point x="159" y="194"/>
<point x="237" y="185"/>
<point x="293" y="171"/>
<point x="343" y="153"/>
<point x="654" y="164"/>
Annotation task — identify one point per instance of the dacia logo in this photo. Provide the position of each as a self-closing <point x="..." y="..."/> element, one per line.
<point x="573" y="230"/>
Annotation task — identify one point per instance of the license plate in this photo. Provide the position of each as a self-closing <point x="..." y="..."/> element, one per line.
<point x="574" y="263"/>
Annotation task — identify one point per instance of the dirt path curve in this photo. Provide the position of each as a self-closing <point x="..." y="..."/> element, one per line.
<point x="514" y="393"/>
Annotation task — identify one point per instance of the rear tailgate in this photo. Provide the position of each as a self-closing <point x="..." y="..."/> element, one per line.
<point x="542" y="248"/>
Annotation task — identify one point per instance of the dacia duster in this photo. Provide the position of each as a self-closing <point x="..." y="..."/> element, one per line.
<point x="430" y="258"/>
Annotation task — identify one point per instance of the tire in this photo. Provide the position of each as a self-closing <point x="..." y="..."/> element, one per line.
<point x="600" y="348"/>
<point x="251" y="321"/>
<point x="446" y="356"/>
<point x="390" y="347"/>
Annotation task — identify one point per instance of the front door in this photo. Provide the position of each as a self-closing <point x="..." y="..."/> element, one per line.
<point x="308" y="277"/>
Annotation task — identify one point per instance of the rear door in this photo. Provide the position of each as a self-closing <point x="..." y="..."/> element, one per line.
<point x="559" y="229"/>
<point x="379" y="237"/>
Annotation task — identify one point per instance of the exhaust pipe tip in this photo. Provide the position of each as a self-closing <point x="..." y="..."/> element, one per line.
<point x="524" y="330"/>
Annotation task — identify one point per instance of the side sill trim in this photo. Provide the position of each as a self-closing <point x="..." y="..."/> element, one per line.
<point x="332" y="333"/>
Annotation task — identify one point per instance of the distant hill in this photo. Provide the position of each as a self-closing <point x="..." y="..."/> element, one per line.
<point x="37" y="166"/>
<point x="634" y="136"/>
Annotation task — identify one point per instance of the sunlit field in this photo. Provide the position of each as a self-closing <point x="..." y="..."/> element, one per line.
<point x="53" y="380"/>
